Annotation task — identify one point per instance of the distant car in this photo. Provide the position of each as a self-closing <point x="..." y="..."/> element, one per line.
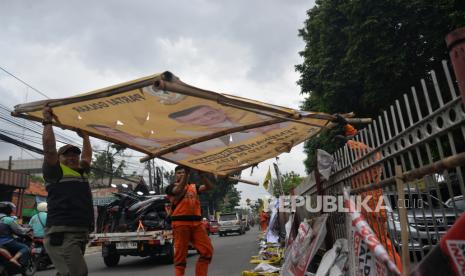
<point x="213" y="227"/>
<point x="459" y="203"/>
<point x="230" y="223"/>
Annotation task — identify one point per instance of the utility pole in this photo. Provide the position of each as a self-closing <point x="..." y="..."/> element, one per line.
<point x="278" y="177"/>
<point x="156" y="179"/>
<point x="162" y="179"/>
<point x="149" y="167"/>
<point x="10" y="162"/>
<point x="111" y="165"/>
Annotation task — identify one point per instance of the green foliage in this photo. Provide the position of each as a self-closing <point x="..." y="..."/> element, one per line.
<point x="362" y="55"/>
<point x="38" y="179"/>
<point x="224" y="196"/>
<point x="258" y="206"/>
<point x="230" y="200"/>
<point x="290" y="181"/>
<point x="103" y="164"/>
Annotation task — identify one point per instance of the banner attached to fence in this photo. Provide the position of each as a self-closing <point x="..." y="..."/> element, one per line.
<point x="371" y="258"/>
<point x="304" y="247"/>
<point x="163" y="117"/>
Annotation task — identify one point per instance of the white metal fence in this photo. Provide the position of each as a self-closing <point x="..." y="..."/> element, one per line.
<point x="419" y="130"/>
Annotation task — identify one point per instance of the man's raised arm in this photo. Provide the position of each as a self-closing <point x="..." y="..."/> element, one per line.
<point x="48" y="138"/>
<point x="206" y="182"/>
<point x="86" y="155"/>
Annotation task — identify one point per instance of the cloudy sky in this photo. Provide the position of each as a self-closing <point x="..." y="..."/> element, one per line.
<point x="63" y="48"/>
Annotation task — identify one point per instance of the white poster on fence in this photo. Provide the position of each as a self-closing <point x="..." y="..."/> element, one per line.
<point x="304" y="247"/>
<point x="366" y="264"/>
<point x="272" y="234"/>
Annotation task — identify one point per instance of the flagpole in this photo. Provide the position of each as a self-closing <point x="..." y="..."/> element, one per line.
<point x="278" y="177"/>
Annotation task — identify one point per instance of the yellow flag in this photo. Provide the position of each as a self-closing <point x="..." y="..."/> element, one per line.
<point x="267" y="180"/>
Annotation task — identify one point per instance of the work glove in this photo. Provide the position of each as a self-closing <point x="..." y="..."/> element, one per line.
<point x="341" y="120"/>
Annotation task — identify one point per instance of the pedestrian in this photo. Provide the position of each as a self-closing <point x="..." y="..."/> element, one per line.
<point x="264" y="218"/>
<point x="38" y="221"/>
<point x="70" y="211"/>
<point x="186" y="221"/>
<point x="9" y="228"/>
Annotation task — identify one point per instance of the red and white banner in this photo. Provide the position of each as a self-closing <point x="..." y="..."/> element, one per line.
<point x="371" y="258"/>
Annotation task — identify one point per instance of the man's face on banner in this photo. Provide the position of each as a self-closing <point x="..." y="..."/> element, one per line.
<point x="203" y="116"/>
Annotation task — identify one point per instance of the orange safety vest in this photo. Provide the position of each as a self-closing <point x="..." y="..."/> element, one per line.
<point x="187" y="211"/>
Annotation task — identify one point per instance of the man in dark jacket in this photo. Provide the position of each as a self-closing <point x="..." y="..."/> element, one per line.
<point x="70" y="210"/>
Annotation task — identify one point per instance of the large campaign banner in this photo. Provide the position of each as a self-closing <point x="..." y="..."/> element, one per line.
<point x="163" y="117"/>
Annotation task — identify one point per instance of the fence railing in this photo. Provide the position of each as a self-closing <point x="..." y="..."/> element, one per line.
<point x="425" y="126"/>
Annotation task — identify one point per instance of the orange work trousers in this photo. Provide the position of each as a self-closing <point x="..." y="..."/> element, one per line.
<point x="195" y="235"/>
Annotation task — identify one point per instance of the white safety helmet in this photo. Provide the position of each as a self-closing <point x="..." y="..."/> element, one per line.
<point x="42" y="207"/>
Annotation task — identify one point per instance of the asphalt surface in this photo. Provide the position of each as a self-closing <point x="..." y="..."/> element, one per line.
<point x="231" y="256"/>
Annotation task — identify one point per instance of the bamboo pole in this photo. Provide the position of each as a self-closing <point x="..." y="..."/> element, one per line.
<point x="403" y="222"/>
<point x="446" y="163"/>
<point x="278" y="116"/>
<point x="101" y="93"/>
<point x="178" y="86"/>
<point x="243" y="180"/>
<point x="359" y="120"/>
<point x="209" y="137"/>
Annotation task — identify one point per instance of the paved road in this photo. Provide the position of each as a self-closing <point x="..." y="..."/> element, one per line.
<point x="231" y="257"/>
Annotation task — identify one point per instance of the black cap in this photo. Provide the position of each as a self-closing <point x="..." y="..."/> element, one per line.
<point x="67" y="148"/>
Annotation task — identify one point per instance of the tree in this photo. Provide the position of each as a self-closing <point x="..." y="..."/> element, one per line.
<point x="223" y="196"/>
<point x="362" y="55"/>
<point x="169" y="176"/>
<point x="231" y="200"/>
<point x="290" y="181"/>
<point x="103" y="164"/>
<point x="257" y="206"/>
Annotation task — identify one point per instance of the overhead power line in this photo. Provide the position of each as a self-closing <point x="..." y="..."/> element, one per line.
<point x="23" y="82"/>
<point x="20" y="144"/>
<point x="5" y="115"/>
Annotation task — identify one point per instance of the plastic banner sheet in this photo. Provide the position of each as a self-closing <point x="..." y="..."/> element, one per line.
<point x="334" y="262"/>
<point x="163" y="117"/>
<point x="371" y="258"/>
<point x="304" y="247"/>
<point x="272" y="232"/>
<point x="326" y="163"/>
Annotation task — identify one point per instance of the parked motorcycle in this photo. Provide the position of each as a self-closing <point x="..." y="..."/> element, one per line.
<point x="131" y="211"/>
<point x="7" y="268"/>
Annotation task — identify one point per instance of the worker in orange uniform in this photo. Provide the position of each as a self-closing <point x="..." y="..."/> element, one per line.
<point x="264" y="217"/>
<point x="186" y="221"/>
<point x="377" y="220"/>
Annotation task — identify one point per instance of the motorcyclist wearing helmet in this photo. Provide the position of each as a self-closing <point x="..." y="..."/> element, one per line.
<point x="8" y="227"/>
<point x="39" y="220"/>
